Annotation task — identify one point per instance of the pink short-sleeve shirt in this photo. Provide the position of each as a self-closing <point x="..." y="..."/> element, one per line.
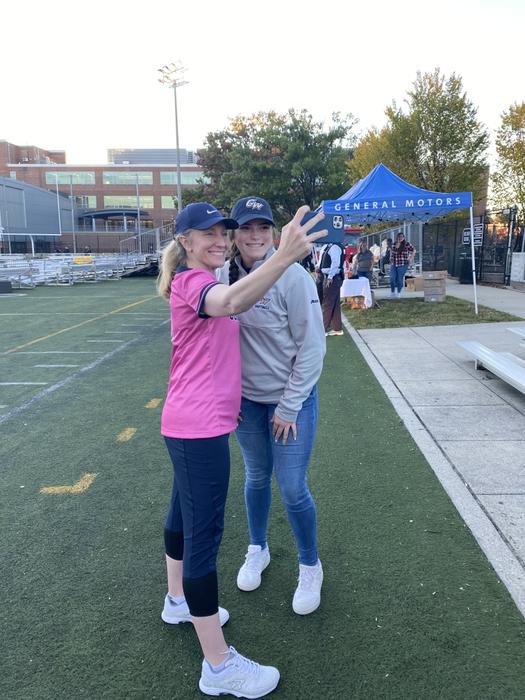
<point x="204" y="389"/>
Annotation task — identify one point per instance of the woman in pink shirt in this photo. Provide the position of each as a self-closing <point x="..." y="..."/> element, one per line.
<point x="201" y="409"/>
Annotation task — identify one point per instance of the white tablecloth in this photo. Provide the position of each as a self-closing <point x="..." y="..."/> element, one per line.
<point x="359" y="287"/>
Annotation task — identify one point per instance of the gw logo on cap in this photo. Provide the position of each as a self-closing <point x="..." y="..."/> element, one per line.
<point x="254" y="204"/>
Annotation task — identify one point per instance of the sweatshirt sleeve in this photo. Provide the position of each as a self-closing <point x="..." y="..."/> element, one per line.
<point x="223" y="273"/>
<point x="305" y="321"/>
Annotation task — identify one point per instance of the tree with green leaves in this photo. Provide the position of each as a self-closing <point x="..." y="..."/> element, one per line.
<point x="508" y="180"/>
<point x="289" y="159"/>
<point x="434" y="141"/>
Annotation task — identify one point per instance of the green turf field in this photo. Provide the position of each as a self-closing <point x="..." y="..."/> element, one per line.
<point x="411" y="609"/>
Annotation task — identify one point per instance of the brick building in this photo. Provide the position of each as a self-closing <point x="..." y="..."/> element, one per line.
<point x="106" y="196"/>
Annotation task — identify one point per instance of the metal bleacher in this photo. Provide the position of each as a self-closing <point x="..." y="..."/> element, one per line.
<point x="67" y="270"/>
<point x="504" y="365"/>
<point x="137" y="253"/>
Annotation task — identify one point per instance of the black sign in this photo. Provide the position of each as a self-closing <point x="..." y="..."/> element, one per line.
<point x="478" y="235"/>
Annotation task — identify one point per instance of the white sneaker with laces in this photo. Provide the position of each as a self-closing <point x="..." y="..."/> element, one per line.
<point x="307" y="597"/>
<point x="249" y="576"/>
<point x="174" y="614"/>
<point x="240" y="677"/>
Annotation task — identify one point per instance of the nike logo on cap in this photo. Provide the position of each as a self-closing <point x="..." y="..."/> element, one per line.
<point x="213" y="211"/>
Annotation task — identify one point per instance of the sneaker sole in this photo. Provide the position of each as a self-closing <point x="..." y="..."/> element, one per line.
<point x="208" y="690"/>
<point x="307" y="611"/>
<point x="253" y="588"/>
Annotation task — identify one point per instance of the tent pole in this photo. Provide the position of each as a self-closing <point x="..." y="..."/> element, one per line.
<point x="420" y="241"/>
<point x="472" y="252"/>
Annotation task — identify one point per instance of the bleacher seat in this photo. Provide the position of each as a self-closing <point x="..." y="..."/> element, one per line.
<point x="499" y="363"/>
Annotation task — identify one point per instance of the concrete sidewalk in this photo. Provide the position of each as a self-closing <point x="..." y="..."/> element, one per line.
<point x="503" y="299"/>
<point x="469" y="424"/>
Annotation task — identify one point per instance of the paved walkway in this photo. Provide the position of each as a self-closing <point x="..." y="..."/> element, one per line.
<point x="503" y="299"/>
<point x="469" y="424"/>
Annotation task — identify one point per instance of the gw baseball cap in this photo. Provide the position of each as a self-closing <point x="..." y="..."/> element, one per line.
<point x="250" y="208"/>
<point x="201" y="215"/>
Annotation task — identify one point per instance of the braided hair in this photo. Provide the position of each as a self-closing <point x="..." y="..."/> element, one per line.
<point x="233" y="273"/>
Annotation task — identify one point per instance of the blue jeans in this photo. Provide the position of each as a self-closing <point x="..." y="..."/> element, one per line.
<point x="262" y="455"/>
<point x="397" y="277"/>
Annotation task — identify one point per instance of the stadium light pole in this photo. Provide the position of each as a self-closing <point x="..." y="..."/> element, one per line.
<point x="139" y="239"/>
<point x="58" y="205"/>
<point x="72" y="214"/>
<point x="172" y="75"/>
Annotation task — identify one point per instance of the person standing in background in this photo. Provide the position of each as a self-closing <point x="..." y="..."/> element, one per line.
<point x="364" y="261"/>
<point x="385" y="258"/>
<point x="332" y="270"/>
<point x="401" y="256"/>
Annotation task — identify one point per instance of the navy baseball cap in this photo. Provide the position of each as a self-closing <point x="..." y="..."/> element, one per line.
<point x="250" y="208"/>
<point x="201" y="215"/>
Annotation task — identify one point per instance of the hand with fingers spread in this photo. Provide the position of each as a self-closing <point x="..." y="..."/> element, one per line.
<point x="283" y="427"/>
<point x="296" y="243"/>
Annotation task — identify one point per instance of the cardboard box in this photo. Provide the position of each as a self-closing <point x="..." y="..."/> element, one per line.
<point x="414" y="284"/>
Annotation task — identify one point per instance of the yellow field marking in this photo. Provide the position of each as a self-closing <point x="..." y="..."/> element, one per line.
<point x="82" y="485"/>
<point x="78" y="325"/>
<point x="153" y="403"/>
<point x="126" y="434"/>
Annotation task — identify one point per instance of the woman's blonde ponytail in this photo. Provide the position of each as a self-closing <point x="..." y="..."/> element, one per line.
<point x="172" y="256"/>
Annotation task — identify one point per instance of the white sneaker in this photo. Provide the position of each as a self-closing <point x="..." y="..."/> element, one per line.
<point x="307" y="597"/>
<point x="240" y="677"/>
<point x="174" y="614"/>
<point x="398" y="295"/>
<point x="249" y="576"/>
<point x="335" y="333"/>
<point x="391" y="295"/>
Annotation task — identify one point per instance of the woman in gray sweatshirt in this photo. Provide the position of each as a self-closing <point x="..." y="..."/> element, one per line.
<point x="282" y="348"/>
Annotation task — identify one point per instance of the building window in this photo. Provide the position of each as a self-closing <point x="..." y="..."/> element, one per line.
<point x="169" y="177"/>
<point x="70" y="177"/>
<point x="120" y="201"/>
<point x="86" y="201"/>
<point x="16" y="208"/>
<point x="122" y="177"/>
<point x="12" y="174"/>
<point x="168" y="201"/>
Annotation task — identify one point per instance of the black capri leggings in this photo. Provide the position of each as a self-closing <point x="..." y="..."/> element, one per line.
<point x="195" y="520"/>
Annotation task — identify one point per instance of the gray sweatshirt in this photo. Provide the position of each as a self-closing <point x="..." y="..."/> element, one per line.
<point x="282" y="341"/>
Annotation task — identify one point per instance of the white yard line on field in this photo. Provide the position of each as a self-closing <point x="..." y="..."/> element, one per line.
<point x="67" y="380"/>
<point x="46" y="366"/>
<point x="24" y="383"/>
